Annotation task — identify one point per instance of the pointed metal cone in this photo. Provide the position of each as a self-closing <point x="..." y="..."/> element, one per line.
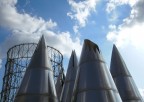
<point x="70" y="78"/>
<point x="40" y="57"/>
<point x="94" y="82"/>
<point x="123" y="79"/>
<point x="38" y="83"/>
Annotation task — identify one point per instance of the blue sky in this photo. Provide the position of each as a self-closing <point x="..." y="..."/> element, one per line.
<point x="67" y="23"/>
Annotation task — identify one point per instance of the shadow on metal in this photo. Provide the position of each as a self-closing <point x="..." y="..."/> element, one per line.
<point x="59" y="84"/>
<point x="123" y="79"/>
<point x="94" y="82"/>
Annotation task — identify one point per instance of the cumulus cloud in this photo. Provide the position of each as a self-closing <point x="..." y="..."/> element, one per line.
<point x="27" y="28"/>
<point x="80" y="12"/>
<point x="128" y="36"/>
<point x="131" y="30"/>
<point x="112" y="4"/>
<point x="136" y="15"/>
<point x="13" y="20"/>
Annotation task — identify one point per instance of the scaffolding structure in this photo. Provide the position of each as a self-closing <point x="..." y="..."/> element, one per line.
<point x="18" y="58"/>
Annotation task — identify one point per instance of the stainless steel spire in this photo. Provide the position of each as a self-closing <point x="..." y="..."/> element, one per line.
<point x="93" y="81"/>
<point x="123" y="79"/>
<point x="70" y="78"/>
<point x="38" y="83"/>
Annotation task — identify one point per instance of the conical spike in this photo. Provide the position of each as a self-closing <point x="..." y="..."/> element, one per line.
<point x="38" y="83"/>
<point x="123" y="79"/>
<point x="70" y="78"/>
<point x="93" y="81"/>
<point x="40" y="56"/>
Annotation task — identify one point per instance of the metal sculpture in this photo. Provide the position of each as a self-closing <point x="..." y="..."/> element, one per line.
<point x="123" y="79"/>
<point x="93" y="81"/>
<point x="38" y="82"/>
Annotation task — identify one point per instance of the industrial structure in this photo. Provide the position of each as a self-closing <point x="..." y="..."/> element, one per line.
<point x="18" y="58"/>
<point x="34" y="73"/>
<point x="93" y="81"/>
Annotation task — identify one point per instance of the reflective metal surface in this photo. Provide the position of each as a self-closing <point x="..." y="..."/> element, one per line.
<point x="38" y="83"/>
<point x="70" y="78"/>
<point x="123" y="79"/>
<point x="94" y="82"/>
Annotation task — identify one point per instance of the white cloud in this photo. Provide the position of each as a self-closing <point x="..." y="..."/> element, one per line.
<point x="112" y="27"/>
<point x="80" y="11"/>
<point x="75" y="28"/>
<point x="22" y="22"/>
<point x="136" y="15"/>
<point x="131" y="30"/>
<point x="112" y="4"/>
<point x="128" y="37"/>
<point x="142" y="92"/>
<point x="26" y="28"/>
<point x="64" y="42"/>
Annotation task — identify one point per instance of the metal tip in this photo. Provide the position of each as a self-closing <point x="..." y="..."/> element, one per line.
<point x="90" y="51"/>
<point x="38" y="83"/>
<point x="92" y="46"/>
<point x="118" y="65"/>
<point x="40" y="57"/>
<point x="123" y="79"/>
<point x="73" y="60"/>
<point x="70" y="78"/>
<point x="93" y="80"/>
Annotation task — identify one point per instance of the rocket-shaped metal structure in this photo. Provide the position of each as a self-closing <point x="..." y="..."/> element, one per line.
<point x="123" y="79"/>
<point x="38" y="83"/>
<point x="94" y="82"/>
<point x="70" y="78"/>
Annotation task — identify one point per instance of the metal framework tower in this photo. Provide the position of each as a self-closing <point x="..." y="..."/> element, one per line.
<point x="18" y="58"/>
